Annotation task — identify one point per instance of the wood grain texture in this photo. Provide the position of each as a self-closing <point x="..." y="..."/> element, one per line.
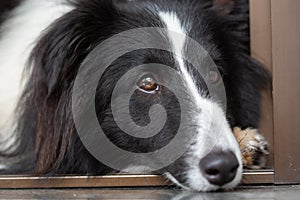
<point x="113" y="181"/>
<point x="286" y="91"/>
<point x="261" y="49"/>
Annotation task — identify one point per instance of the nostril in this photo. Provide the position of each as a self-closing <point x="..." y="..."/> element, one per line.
<point x="212" y="172"/>
<point x="219" y="168"/>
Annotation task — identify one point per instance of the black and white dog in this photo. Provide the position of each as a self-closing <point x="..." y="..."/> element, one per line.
<point x="43" y="44"/>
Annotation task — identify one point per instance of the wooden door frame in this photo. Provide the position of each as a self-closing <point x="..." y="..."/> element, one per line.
<point x="261" y="49"/>
<point x="275" y="31"/>
<point x="285" y="17"/>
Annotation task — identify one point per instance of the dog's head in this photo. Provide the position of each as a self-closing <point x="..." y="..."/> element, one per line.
<point x="176" y="55"/>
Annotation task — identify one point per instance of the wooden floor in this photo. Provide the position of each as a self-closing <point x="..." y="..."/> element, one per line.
<point x="257" y="192"/>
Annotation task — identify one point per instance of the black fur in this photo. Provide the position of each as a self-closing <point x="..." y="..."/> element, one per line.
<point x="46" y="130"/>
<point x="6" y="7"/>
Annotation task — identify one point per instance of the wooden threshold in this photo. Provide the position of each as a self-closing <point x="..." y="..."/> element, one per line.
<point x="30" y="182"/>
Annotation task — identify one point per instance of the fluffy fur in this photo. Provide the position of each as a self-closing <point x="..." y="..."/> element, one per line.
<point x="52" y="38"/>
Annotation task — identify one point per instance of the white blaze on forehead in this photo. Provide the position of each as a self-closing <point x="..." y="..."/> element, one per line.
<point x="177" y="35"/>
<point x="173" y="24"/>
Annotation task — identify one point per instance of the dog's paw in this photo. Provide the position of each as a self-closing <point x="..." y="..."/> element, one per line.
<point x="253" y="146"/>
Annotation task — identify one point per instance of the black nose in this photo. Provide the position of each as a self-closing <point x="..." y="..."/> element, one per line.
<point x="220" y="167"/>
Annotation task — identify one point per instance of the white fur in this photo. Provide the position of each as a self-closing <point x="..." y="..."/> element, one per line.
<point x="216" y="135"/>
<point x="173" y="25"/>
<point x="213" y="129"/>
<point x="18" y="36"/>
<point x="173" y="179"/>
<point x="137" y="169"/>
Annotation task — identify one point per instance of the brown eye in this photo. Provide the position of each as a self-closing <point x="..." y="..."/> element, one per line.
<point x="214" y="76"/>
<point x="148" y="84"/>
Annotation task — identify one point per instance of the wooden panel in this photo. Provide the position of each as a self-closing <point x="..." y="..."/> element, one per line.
<point x="253" y="177"/>
<point x="286" y="82"/>
<point x="261" y="49"/>
<point x="260" y="31"/>
<point x="15" y="182"/>
<point x="82" y="181"/>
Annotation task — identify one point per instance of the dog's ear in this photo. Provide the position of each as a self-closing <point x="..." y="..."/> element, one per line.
<point x="55" y="61"/>
<point x="223" y="7"/>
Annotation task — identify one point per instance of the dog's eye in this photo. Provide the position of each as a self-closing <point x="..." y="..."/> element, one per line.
<point x="148" y="84"/>
<point x="214" y="76"/>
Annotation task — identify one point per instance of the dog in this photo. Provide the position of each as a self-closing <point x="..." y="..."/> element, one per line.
<point x="45" y="45"/>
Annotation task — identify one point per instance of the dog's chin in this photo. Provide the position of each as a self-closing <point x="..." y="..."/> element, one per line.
<point x="202" y="185"/>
